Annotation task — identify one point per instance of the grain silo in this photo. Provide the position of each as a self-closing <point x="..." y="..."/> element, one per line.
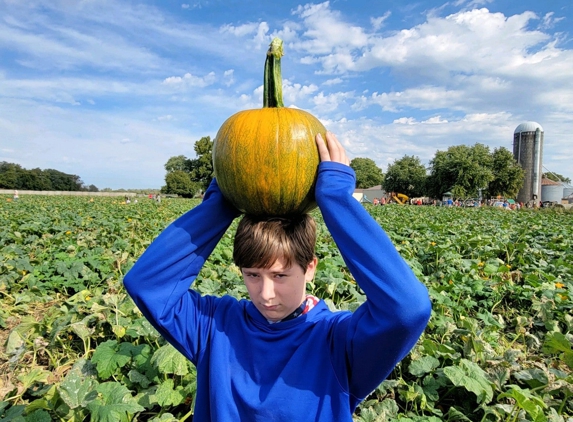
<point x="551" y="191"/>
<point x="528" y="152"/>
<point x="568" y="195"/>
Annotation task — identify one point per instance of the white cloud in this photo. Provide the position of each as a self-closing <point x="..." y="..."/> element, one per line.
<point x="189" y="80"/>
<point x="48" y="46"/>
<point x="331" y="102"/>
<point x="326" y="32"/>
<point x="378" y="22"/>
<point x="294" y="91"/>
<point x="334" y="81"/>
<point x="228" y="77"/>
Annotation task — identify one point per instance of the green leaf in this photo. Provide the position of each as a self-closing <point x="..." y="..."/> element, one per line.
<point x="33" y="376"/>
<point x="166" y="417"/>
<point x="470" y="376"/>
<point x="81" y="330"/>
<point x="109" y="357"/>
<point x="137" y="377"/>
<point x="455" y="415"/>
<point x="525" y="400"/>
<point x="14" y="414"/>
<point x="423" y="365"/>
<point x="556" y="342"/>
<point x="169" y="361"/>
<point x="114" y="404"/>
<point x="39" y="416"/>
<point x="78" y="389"/>
<point x="533" y="377"/>
<point x="168" y="395"/>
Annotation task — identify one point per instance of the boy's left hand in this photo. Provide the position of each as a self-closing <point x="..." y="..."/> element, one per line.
<point x="331" y="150"/>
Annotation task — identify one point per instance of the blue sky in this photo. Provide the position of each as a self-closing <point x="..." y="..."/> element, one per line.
<point x="110" y="89"/>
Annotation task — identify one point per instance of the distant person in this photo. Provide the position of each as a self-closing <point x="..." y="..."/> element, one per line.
<point x="16" y="197"/>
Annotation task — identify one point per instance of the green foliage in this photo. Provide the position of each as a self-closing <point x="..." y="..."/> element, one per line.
<point x="556" y="177"/>
<point x="179" y="183"/>
<point x="178" y="163"/>
<point x="75" y="348"/>
<point x="367" y="173"/>
<point x="508" y="174"/>
<point x="14" y="176"/>
<point x="201" y="168"/>
<point x="461" y="169"/>
<point x="406" y="175"/>
<point x="187" y="177"/>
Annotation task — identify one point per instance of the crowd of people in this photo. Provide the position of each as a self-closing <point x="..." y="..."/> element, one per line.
<point x="450" y="202"/>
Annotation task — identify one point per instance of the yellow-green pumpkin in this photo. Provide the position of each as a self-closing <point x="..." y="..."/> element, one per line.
<point x="266" y="160"/>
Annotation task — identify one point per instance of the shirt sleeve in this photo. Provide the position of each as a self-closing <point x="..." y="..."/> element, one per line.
<point x="160" y="279"/>
<point x="382" y="331"/>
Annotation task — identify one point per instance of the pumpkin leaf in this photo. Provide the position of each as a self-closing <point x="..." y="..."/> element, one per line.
<point x="470" y="376"/>
<point x="169" y="361"/>
<point x="113" y="404"/>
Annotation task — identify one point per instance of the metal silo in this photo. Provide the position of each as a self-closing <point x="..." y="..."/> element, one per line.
<point x="528" y="152"/>
<point x="552" y="193"/>
<point x="568" y="195"/>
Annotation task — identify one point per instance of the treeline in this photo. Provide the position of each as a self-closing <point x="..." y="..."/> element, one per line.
<point x="463" y="171"/>
<point x="14" y="176"/>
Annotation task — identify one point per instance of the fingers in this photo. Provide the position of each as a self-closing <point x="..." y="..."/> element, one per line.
<point x="332" y="149"/>
<point x="322" y="148"/>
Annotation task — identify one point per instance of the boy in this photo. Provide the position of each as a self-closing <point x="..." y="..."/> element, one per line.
<point x="282" y="356"/>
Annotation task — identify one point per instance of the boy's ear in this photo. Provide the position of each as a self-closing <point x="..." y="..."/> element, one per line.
<point x="311" y="269"/>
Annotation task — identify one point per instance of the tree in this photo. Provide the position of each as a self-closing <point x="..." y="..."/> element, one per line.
<point x="13" y="176"/>
<point x="556" y="177"/>
<point x="461" y="169"/>
<point x="9" y="175"/>
<point x="64" y="182"/>
<point x="178" y="163"/>
<point x="178" y="182"/>
<point x="508" y="174"/>
<point x="201" y="168"/>
<point x="367" y="173"/>
<point x="406" y="175"/>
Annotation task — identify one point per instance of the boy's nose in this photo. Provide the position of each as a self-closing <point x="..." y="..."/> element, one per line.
<point x="268" y="289"/>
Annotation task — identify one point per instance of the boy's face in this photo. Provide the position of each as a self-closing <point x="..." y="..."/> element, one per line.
<point x="277" y="291"/>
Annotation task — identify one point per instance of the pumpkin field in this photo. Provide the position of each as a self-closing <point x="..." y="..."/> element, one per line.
<point x="73" y="347"/>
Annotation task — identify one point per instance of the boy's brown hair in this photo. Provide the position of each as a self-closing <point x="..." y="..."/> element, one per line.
<point x="260" y="241"/>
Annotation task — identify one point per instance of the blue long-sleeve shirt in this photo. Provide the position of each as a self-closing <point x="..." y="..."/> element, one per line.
<point x="317" y="367"/>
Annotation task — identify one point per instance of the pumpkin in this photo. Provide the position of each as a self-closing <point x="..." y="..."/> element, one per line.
<point x="266" y="160"/>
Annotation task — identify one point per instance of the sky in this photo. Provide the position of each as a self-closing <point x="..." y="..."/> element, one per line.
<point x="109" y="90"/>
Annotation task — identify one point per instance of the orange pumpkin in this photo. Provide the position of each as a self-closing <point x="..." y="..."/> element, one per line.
<point x="266" y="160"/>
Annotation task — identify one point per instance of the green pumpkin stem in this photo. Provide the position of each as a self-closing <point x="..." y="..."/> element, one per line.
<point x="273" y="84"/>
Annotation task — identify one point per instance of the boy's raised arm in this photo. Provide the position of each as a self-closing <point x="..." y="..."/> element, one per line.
<point x="160" y="279"/>
<point x="383" y="330"/>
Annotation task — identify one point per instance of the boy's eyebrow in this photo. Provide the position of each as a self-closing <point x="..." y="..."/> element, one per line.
<point x="256" y="270"/>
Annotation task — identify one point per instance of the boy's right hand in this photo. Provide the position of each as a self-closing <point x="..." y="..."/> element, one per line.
<point x="331" y="150"/>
